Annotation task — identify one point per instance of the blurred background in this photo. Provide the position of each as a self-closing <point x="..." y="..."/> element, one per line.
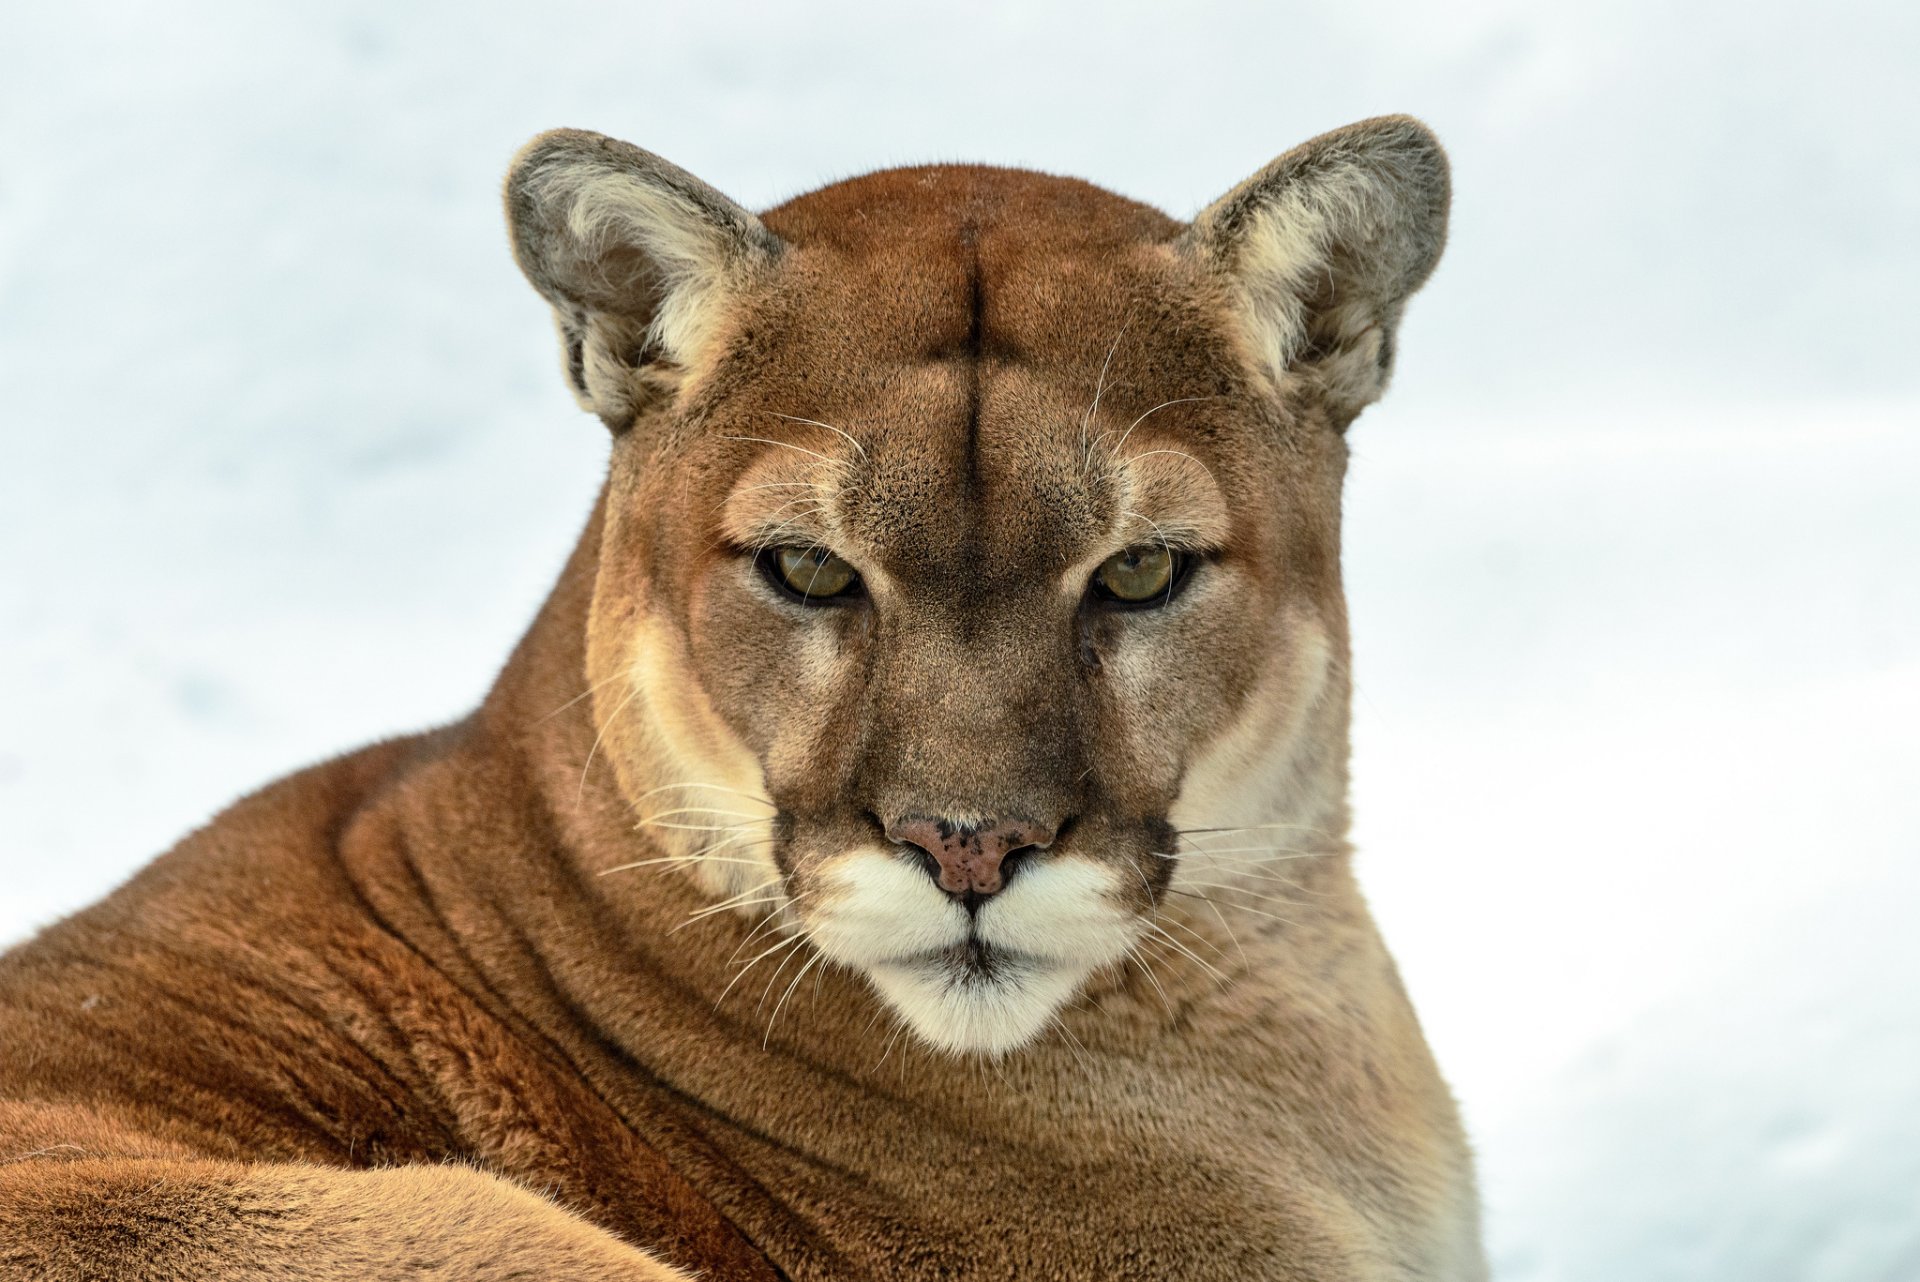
<point x="286" y="464"/>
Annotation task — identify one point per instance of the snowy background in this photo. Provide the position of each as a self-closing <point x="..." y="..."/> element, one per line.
<point x="286" y="463"/>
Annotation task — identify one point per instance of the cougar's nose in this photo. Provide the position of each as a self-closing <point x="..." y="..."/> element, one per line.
<point x="970" y="861"/>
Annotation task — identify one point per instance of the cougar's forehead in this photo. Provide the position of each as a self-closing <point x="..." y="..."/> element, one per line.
<point x="989" y="338"/>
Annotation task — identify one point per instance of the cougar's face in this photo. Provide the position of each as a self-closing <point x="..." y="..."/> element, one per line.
<point x="972" y="537"/>
<point x="966" y="575"/>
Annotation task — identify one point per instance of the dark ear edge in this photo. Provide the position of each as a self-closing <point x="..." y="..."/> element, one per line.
<point x="1323" y="248"/>
<point x="636" y="255"/>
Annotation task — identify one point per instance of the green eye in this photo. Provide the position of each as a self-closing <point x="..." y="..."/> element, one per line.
<point x="1144" y="575"/>
<point x="813" y="574"/>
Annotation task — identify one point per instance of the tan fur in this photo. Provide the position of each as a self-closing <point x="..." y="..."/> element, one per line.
<point x="622" y="975"/>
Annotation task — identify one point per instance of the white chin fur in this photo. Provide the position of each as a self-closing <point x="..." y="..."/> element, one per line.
<point x="973" y="1013"/>
<point x="1054" y="924"/>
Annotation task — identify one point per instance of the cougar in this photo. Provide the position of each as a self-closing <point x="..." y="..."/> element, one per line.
<point x="910" y="842"/>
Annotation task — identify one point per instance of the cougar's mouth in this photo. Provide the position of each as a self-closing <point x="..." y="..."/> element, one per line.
<point x="983" y="980"/>
<point x="976" y="959"/>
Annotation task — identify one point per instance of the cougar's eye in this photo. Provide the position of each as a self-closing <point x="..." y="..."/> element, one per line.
<point x="1144" y="575"/>
<point x="813" y="575"/>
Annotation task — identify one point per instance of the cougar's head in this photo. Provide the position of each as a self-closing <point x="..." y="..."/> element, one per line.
<point x="971" y="539"/>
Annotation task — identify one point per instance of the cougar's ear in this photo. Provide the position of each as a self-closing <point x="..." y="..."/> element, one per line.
<point x="638" y="257"/>
<point x="1323" y="247"/>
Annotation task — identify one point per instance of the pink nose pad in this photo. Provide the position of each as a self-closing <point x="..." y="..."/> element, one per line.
<point x="970" y="860"/>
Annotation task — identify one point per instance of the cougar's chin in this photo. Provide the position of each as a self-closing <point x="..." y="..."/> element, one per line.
<point x="975" y="999"/>
<point x="985" y="982"/>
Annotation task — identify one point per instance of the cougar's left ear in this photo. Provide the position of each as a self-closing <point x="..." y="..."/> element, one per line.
<point x="1322" y="249"/>
<point x="638" y="257"/>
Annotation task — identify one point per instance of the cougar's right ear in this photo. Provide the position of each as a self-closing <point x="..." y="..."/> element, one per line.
<point x="637" y="256"/>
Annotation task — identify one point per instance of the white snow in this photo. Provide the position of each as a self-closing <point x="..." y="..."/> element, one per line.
<point x="288" y="464"/>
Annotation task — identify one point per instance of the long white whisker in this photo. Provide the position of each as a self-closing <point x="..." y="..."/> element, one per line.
<point x="1322" y="832"/>
<point x="1185" y="400"/>
<point x="812" y="961"/>
<point x="1134" y="458"/>
<point x="706" y="810"/>
<point x="788" y="942"/>
<point x="1279" y="852"/>
<point x="679" y="827"/>
<point x="785" y="485"/>
<point x="778" y="971"/>
<point x="1258" y="912"/>
<point x="588" y="764"/>
<point x="740" y="900"/>
<point x="712" y="786"/>
<point x="1195" y="957"/>
<point x="681" y="859"/>
<point x="789" y="445"/>
<point x="1231" y="933"/>
<point x="814" y="422"/>
<point x="1175" y="921"/>
<point x="1134" y="955"/>
<point x="1099" y="388"/>
<point x="1242" y="890"/>
<point x="731" y="904"/>
<point x="578" y="697"/>
<point x="754" y="934"/>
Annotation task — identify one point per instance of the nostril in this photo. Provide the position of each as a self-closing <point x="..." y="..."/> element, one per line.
<point x="922" y="856"/>
<point x="1014" y="860"/>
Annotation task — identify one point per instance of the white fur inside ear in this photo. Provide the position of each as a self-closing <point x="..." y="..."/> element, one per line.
<point x="612" y="216"/>
<point x="1323" y="247"/>
<point x="1278" y="256"/>
<point x="639" y="258"/>
<point x="1296" y="292"/>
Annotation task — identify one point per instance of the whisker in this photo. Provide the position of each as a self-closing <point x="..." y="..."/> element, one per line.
<point x="679" y="859"/>
<point x="1195" y="957"/>
<point x="1252" y="869"/>
<point x="1258" y="912"/>
<point x="1099" y="387"/>
<point x="1175" y="921"/>
<point x="1240" y="890"/>
<point x="1134" y="956"/>
<point x="1185" y="400"/>
<point x="814" y="422"/>
<point x="788" y="942"/>
<point x="1080" y="1055"/>
<point x="713" y="786"/>
<point x="812" y="961"/>
<point x="1131" y="459"/>
<point x="736" y="901"/>
<point x="784" y="485"/>
<point x="777" y="972"/>
<point x="898" y="1029"/>
<point x="727" y="906"/>
<point x="754" y="934"/>
<point x="576" y="698"/>
<point x="1280" y="852"/>
<point x="1231" y="933"/>
<point x="1321" y="832"/>
<point x="679" y="827"/>
<point x="586" y="766"/>
<point x="704" y="810"/>
<point x="789" y="445"/>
